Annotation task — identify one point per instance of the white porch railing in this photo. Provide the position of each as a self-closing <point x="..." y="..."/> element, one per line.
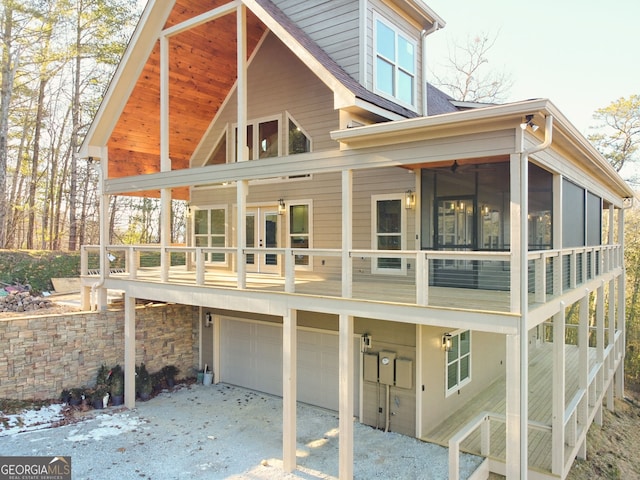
<point x="579" y="413"/>
<point x="408" y="276"/>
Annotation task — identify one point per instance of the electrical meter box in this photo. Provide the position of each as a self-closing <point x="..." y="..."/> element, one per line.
<point x="386" y="367"/>
<point x="404" y="373"/>
<point x="371" y="367"/>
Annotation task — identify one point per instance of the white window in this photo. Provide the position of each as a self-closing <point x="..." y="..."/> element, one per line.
<point x="389" y="226"/>
<point x="394" y="63"/>
<point x="263" y="139"/>
<point x="300" y="232"/>
<point x="210" y="230"/>
<point x="458" y="364"/>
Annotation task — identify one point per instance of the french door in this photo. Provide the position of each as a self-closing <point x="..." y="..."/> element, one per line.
<point x="263" y="231"/>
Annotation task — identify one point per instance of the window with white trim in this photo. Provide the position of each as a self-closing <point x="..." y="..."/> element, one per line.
<point x="458" y="364"/>
<point x="210" y="230"/>
<point x="395" y="63"/>
<point x="389" y="226"/>
<point x="263" y="139"/>
<point x="300" y="232"/>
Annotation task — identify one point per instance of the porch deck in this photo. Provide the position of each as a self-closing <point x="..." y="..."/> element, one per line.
<point x="492" y="399"/>
<point x="367" y="287"/>
<point x="478" y="281"/>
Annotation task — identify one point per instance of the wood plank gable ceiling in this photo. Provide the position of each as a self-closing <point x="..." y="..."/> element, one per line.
<point x="202" y="71"/>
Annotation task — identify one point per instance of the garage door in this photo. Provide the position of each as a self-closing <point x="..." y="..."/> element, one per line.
<point x="251" y="357"/>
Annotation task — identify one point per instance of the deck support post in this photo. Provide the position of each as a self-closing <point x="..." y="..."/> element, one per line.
<point x="582" y="411"/>
<point x="559" y="379"/>
<point x="514" y="437"/>
<point x="600" y="380"/>
<point x="129" y="351"/>
<point x="242" y="188"/>
<point x="346" y="392"/>
<point x="289" y="389"/>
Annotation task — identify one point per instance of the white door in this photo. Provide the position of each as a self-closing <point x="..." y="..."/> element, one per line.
<point x="251" y="357"/>
<point x="262" y="227"/>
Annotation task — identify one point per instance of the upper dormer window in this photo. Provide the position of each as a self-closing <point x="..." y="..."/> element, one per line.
<point x="395" y="63"/>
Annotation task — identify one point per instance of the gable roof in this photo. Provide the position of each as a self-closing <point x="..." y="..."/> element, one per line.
<point x="202" y="72"/>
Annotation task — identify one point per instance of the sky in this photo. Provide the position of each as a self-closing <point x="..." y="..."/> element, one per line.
<point x="582" y="55"/>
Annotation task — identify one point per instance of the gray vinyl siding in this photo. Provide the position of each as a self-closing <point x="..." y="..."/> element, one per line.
<point x="333" y="25"/>
<point x="277" y="83"/>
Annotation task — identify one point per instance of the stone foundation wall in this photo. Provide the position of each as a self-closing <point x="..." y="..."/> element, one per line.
<point x="41" y="355"/>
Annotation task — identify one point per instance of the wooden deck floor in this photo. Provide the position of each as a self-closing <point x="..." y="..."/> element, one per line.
<point x="492" y="399"/>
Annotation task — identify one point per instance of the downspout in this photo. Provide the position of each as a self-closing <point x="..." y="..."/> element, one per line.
<point x="524" y="288"/>
<point x="423" y="36"/>
<point x="103" y="238"/>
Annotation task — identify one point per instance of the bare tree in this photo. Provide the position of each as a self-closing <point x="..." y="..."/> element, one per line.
<point x="618" y="131"/>
<point x="468" y="76"/>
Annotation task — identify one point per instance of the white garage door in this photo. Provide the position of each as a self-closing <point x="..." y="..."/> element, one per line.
<point x="251" y="357"/>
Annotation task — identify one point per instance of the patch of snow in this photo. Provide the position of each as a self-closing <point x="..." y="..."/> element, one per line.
<point x="29" y="420"/>
<point x="110" y="426"/>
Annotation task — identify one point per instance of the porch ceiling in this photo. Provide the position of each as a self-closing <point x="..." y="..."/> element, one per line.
<point x="202" y="72"/>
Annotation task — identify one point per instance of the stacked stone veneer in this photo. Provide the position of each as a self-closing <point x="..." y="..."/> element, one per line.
<point x="41" y="355"/>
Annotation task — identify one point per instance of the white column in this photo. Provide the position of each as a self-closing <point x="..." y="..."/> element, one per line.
<point x="129" y="351"/>
<point x="346" y="389"/>
<point x="516" y="245"/>
<point x="242" y="188"/>
<point x="216" y="349"/>
<point x="347" y="233"/>
<point x="583" y="368"/>
<point x="165" y="160"/>
<point x="621" y="310"/>
<point x="513" y="407"/>
<point x="289" y="392"/>
<point x="559" y="379"/>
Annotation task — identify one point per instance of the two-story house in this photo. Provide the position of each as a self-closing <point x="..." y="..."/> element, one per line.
<point x="360" y="241"/>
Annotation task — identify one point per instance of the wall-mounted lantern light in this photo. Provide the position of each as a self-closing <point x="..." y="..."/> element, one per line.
<point x="281" y="207"/>
<point x="446" y="342"/>
<point x="409" y="199"/>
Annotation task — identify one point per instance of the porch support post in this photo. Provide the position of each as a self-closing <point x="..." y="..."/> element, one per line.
<point x="600" y="349"/>
<point x="242" y="188"/>
<point x="620" y="351"/>
<point x="611" y="359"/>
<point x="347" y="233"/>
<point x="513" y="407"/>
<point x="105" y="267"/>
<point x="241" y="84"/>
<point x="289" y="393"/>
<point x="346" y="389"/>
<point x="582" y="411"/>
<point x="559" y="379"/>
<point x="129" y="351"/>
<point x="216" y="349"/>
<point x="516" y="246"/>
<point x="165" y="160"/>
<point x="242" y="152"/>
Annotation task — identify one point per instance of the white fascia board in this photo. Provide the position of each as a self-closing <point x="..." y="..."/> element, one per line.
<point x="426" y="11"/>
<point x="129" y="69"/>
<point x="343" y="96"/>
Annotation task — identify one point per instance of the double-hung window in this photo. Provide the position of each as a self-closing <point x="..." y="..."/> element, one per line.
<point x="395" y="63"/>
<point x="458" y="356"/>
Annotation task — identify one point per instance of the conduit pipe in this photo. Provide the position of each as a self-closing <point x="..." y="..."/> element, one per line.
<point x="524" y="280"/>
<point x="425" y="33"/>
